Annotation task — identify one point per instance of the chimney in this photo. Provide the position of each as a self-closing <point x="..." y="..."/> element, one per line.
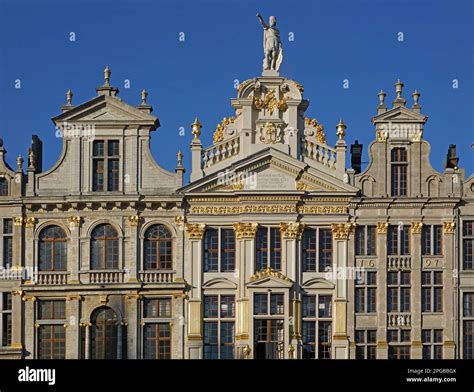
<point x="452" y="160"/>
<point x="37" y="148"/>
<point x="356" y="157"/>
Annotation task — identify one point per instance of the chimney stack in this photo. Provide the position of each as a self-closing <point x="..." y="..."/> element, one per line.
<point x="356" y="157"/>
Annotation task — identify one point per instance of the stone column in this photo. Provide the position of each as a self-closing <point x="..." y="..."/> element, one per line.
<point x="30" y="245"/>
<point x="195" y="234"/>
<point x="73" y="314"/>
<point x="133" y="329"/>
<point x="416" y="266"/>
<point x="17" y="312"/>
<point x="245" y="267"/>
<point x="340" y="344"/>
<point x="74" y="255"/>
<point x="132" y="250"/>
<point x="17" y="242"/>
<point x="87" y="354"/>
<point x="449" y="293"/>
<point x="119" y="340"/>
<point x="30" y="327"/>
<point x="382" y="345"/>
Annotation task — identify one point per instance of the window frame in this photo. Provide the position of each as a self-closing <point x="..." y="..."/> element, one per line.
<point x="363" y="231"/>
<point x="168" y="240"/>
<point x="318" y="252"/>
<point x="104" y="240"/>
<point x="6" y="318"/>
<point x="107" y="171"/>
<point x="219" y="251"/>
<point x="434" y="290"/>
<point x="156" y="322"/>
<point x="320" y="349"/>
<point x="399" y="172"/>
<point x="53" y="323"/>
<point x="274" y="255"/>
<point x="6" y="242"/>
<point x="468" y="245"/>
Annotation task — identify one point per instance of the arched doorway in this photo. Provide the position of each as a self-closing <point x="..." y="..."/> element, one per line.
<point x="104" y="334"/>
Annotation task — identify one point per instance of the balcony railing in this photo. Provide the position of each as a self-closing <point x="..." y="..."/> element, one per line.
<point x="102" y="276"/>
<point x="321" y="153"/>
<point x="399" y="320"/>
<point x="52" y="278"/>
<point x="220" y="151"/>
<point x="398" y="262"/>
<point x="157" y="276"/>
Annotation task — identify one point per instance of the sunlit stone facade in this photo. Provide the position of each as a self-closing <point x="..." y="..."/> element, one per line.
<point x="277" y="247"/>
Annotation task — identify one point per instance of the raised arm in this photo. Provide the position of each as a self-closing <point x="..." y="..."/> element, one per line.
<point x="265" y="26"/>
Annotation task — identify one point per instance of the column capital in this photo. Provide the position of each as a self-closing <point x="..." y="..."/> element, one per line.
<point x="382" y="227"/>
<point x="74" y="221"/>
<point x="292" y="230"/>
<point x="448" y="227"/>
<point x="245" y="230"/>
<point x="341" y="231"/>
<point x="195" y="230"/>
<point x="415" y="227"/>
<point x="134" y="220"/>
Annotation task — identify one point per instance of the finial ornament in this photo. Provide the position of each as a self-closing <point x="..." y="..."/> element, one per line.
<point x="399" y="88"/>
<point x="144" y="95"/>
<point x="273" y="53"/>
<point x="69" y="96"/>
<point x="196" y="128"/>
<point x="381" y="96"/>
<point x="416" y="97"/>
<point x="341" y="130"/>
<point x="107" y="73"/>
<point x="19" y="163"/>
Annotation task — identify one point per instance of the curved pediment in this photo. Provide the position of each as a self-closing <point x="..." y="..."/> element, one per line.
<point x="318" y="283"/>
<point x="219" y="283"/>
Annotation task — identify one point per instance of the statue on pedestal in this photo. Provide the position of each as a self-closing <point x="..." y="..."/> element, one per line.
<point x="271" y="45"/>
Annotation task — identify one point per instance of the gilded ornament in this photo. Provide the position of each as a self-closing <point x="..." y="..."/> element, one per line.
<point x="448" y="227"/>
<point x="292" y="230"/>
<point x="245" y="230"/>
<point x="341" y="231"/>
<point x="219" y="132"/>
<point x="195" y="231"/>
<point x="270" y="102"/>
<point x="320" y="135"/>
<point x="268" y="272"/>
<point x="382" y="227"/>
<point x="415" y="227"/>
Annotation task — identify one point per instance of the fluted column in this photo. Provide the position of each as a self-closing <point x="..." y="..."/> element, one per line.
<point x="382" y="345"/>
<point x="449" y="293"/>
<point x="416" y="266"/>
<point x="245" y="244"/>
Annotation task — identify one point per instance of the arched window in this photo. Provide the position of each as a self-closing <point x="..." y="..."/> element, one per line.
<point x="104" y="248"/>
<point x="158" y="248"/>
<point x="3" y="187"/>
<point x="52" y="249"/>
<point x="104" y="334"/>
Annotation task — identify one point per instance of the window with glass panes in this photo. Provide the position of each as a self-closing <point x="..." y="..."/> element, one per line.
<point x="5" y="319"/>
<point x="399" y="341"/>
<point x="3" y="187"/>
<point x="366" y="292"/>
<point x="158" y="248"/>
<point x="157" y="315"/>
<point x="219" y="250"/>
<point x="468" y="326"/>
<point x="432" y="291"/>
<point x="399" y="168"/>
<point x="104" y="248"/>
<point x="431" y="240"/>
<point x="365" y="239"/>
<point x="105" y="165"/>
<point x="398" y="240"/>
<point x="317" y="250"/>
<point x="468" y="245"/>
<point x="219" y="326"/>
<point x="52" y="249"/>
<point x="398" y="291"/>
<point x="432" y="340"/>
<point x="268" y="248"/>
<point x="317" y="326"/>
<point x="366" y="344"/>
<point x="51" y="330"/>
<point x="7" y="241"/>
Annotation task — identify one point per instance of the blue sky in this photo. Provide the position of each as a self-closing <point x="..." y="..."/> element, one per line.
<point x="333" y="41"/>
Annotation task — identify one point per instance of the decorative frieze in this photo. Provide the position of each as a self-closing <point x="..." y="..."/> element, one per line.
<point x="448" y="227"/>
<point x="341" y="231"/>
<point x="245" y="230"/>
<point x="382" y="227"/>
<point x="292" y="230"/>
<point x="416" y="227"/>
<point x="195" y="231"/>
<point x="268" y="209"/>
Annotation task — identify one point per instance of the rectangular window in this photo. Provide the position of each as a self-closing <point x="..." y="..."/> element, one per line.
<point x="468" y="326"/>
<point x="155" y="308"/>
<point x="211" y="250"/>
<point x="51" y="342"/>
<point x="51" y="310"/>
<point x="7" y="239"/>
<point x="399" y="172"/>
<point x="366" y="293"/>
<point x="432" y="291"/>
<point x="317" y="250"/>
<point x="317" y="326"/>
<point x="6" y="319"/>
<point x="468" y="245"/>
<point x="398" y="291"/>
<point x="366" y="344"/>
<point x="227" y="250"/>
<point x="365" y="237"/>
<point x="432" y="340"/>
<point x="468" y="305"/>
<point x="268" y="248"/>
<point x="105" y="165"/>
<point x="219" y="327"/>
<point x="431" y="240"/>
<point x="398" y="241"/>
<point x="157" y="342"/>
<point x="398" y="343"/>
<point x="219" y="250"/>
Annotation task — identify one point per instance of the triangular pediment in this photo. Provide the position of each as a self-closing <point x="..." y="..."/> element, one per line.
<point x="269" y="279"/>
<point x="106" y="109"/>
<point x="400" y="114"/>
<point x="269" y="170"/>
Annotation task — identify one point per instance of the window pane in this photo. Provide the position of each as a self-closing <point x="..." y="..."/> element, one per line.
<point x="309" y="250"/>
<point x="211" y="249"/>
<point x="228" y="250"/>
<point x="325" y="250"/>
<point x="227" y="306"/>
<point x="262" y="248"/>
<point x="260" y="304"/>
<point x="309" y="306"/>
<point x="211" y="306"/>
<point x="277" y="305"/>
<point x="325" y="306"/>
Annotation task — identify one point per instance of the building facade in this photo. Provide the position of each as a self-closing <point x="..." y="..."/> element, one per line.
<point x="277" y="248"/>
